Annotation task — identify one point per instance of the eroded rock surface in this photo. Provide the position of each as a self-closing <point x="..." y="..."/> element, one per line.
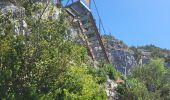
<point x="119" y="54"/>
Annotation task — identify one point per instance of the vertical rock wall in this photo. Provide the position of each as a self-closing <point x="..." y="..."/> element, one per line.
<point x="119" y="54"/>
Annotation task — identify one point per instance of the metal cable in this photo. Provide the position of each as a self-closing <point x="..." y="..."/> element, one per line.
<point x="100" y="20"/>
<point x="67" y="3"/>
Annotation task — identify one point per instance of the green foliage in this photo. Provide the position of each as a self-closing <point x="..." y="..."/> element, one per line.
<point x="43" y="65"/>
<point x="137" y="53"/>
<point x="152" y="75"/>
<point x="156" y="52"/>
<point x="107" y="70"/>
<point x="79" y="84"/>
<point x="25" y="61"/>
<point x="111" y="72"/>
<point x="149" y="82"/>
<point x="133" y="90"/>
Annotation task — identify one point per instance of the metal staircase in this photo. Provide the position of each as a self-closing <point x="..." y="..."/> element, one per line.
<point x="82" y="16"/>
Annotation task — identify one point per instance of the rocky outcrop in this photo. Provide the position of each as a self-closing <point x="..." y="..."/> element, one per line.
<point x="144" y="57"/>
<point x="47" y="10"/>
<point x="7" y="6"/>
<point x="123" y="60"/>
<point x="111" y="90"/>
<point x="17" y="17"/>
<point x="112" y="87"/>
<point x="119" y="54"/>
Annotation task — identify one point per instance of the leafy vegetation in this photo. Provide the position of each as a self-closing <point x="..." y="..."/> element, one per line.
<point x="44" y="64"/>
<point x="137" y="53"/>
<point x="84" y="87"/>
<point x="149" y="82"/>
<point x="156" y="52"/>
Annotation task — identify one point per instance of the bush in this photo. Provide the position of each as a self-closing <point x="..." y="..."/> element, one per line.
<point x="148" y="82"/>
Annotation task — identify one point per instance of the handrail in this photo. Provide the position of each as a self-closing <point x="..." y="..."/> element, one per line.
<point x="73" y="1"/>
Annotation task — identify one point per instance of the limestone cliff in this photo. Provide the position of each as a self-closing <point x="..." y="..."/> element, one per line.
<point x="119" y="54"/>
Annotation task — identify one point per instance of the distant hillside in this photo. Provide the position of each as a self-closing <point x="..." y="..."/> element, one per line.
<point x="156" y="51"/>
<point x="151" y="51"/>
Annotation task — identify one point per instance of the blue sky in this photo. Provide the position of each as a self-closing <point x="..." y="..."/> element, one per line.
<point x="137" y="22"/>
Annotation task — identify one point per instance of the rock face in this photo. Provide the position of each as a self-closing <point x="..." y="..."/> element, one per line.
<point x="145" y="57"/>
<point x="17" y="17"/>
<point x="119" y="54"/>
<point x="7" y="6"/>
<point x="123" y="60"/>
<point x="111" y="90"/>
<point x="49" y="10"/>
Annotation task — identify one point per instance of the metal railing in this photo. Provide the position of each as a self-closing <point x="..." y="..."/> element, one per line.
<point x="68" y="2"/>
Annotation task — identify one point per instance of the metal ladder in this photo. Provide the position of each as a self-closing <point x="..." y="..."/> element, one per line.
<point x="89" y="29"/>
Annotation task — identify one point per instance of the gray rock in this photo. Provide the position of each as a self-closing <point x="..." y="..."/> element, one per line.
<point x="123" y="60"/>
<point x="17" y="17"/>
<point x="119" y="55"/>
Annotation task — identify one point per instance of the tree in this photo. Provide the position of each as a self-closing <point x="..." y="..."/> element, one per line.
<point x="155" y="77"/>
<point x="27" y="61"/>
<point x="44" y="64"/>
<point x="146" y="82"/>
<point x="79" y="84"/>
<point x="132" y="89"/>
